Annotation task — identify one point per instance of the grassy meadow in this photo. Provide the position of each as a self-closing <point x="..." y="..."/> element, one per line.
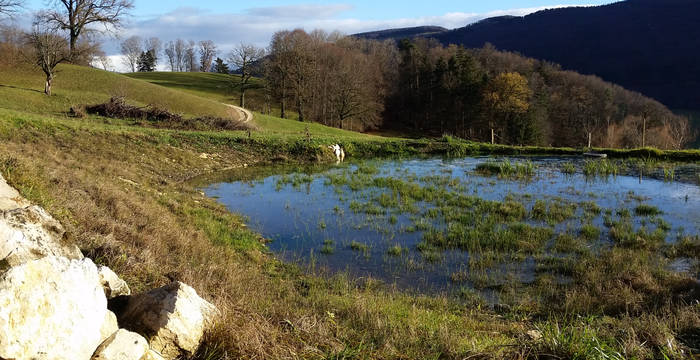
<point x="22" y="89"/>
<point x="123" y="194"/>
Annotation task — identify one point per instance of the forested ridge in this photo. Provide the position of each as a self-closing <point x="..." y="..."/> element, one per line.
<point x="649" y="46"/>
<point x="423" y="87"/>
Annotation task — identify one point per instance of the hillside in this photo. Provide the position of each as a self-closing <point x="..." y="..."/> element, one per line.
<point x="645" y="45"/>
<point x="21" y="88"/>
<point x="401" y="33"/>
<point x="218" y="87"/>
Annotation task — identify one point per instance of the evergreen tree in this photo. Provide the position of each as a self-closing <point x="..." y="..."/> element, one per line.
<point x="147" y="62"/>
<point x="220" y="66"/>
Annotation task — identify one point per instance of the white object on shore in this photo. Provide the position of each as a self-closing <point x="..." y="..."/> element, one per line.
<point x="595" y="155"/>
<point x="339" y="152"/>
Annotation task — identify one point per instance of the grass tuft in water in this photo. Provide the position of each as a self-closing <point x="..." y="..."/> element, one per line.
<point x="647" y="210"/>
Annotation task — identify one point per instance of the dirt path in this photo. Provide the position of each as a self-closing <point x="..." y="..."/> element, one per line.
<point x="245" y="115"/>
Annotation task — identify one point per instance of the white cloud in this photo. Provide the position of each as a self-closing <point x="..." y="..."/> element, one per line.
<point x="300" y="11"/>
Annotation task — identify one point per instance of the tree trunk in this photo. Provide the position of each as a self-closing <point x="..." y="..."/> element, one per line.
<point x="47" y="85"/>
<point x="644" y="131"/>
<point x="242" y="98"/>
<point x="301" y="110"/>
<point x="73" y="39"/>
<point x="282" y="112"/>
<point x="493" y="136"/>
<point x="589" y="140"/>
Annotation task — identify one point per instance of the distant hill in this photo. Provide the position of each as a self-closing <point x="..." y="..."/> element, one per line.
<point x="401" y="33"/>
<point x="651" y="46"/>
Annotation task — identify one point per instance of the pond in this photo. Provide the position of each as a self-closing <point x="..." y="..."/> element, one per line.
<point x="472" y="224"/>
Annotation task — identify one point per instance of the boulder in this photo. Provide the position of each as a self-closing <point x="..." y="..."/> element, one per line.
<point x="173" y="318"/>
<point x="52" y="308"/>
<point x="30" y="233"/>
<point x="122" y="345"/>
<point x="109" y="326"/>
<point x="113" y="285"/>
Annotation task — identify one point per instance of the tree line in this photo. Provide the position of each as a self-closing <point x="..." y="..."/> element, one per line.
<point x="423" y="87"/>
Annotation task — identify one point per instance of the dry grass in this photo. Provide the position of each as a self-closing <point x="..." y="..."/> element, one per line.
<point x="121" y="195"/>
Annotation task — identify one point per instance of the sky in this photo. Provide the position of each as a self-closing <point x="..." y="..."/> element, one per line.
<point x="229" y="23"/>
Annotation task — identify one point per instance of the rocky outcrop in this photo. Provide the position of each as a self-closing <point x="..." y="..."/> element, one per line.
<point x="122" y="345"/>
<point x="173" y="318"/>
<point x="51" y="308"/>
<point x="54" y="302"/>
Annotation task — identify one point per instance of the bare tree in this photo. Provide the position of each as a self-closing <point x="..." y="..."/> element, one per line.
<point x="680" y="130"/>
<point x="10" y="7"/>
<point x="104" y="61"/>
<point x="12" y="44"/>
<point x="207" y="52"/>
<point x="176" y="52"/>
<point x="245" y="57"/>
<point x="154" y="46"/>
<point x="76" y="16"/>
<point x="170" y="54"/>
<point x="131" y="49"/>
<point x="190" y="60"/>
<point x="50" y="49"/>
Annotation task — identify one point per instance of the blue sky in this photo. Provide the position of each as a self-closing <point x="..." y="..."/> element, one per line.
<point x="229" y="23"/>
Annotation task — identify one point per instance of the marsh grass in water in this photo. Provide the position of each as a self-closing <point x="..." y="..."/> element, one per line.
<point x="546" y="246"/>
<point x="506" y="169"/>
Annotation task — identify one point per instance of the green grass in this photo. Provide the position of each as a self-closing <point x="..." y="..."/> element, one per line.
<point x="647" y="210"/>
<point x="218" y="87"/>
<point x="21" y="88"/>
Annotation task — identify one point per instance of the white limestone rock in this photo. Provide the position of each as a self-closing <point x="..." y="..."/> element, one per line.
<point x="122" y="345"/>
<point x="109" y="326"/>
<point x="52" y="308"/>
<point x="113" y="285"/>
<point x="10" y="198"/>
<point x="173" y="318"/>
<point x="30" y="233"/>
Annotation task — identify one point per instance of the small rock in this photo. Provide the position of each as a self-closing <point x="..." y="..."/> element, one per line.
<point x="31" y="233"/>
<point x="153" y="355"/>
<point x="113" y="285"/>
<point x="173" y="318"/>
<point x="122" y="345"/>
<point x="534" y="335"/>
<point x="51" y="306"/>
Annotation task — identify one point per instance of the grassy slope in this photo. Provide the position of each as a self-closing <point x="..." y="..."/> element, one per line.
<point x="213" y="86"/>
<point x="121" y="192"/>
<point x="22" y="89"/>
